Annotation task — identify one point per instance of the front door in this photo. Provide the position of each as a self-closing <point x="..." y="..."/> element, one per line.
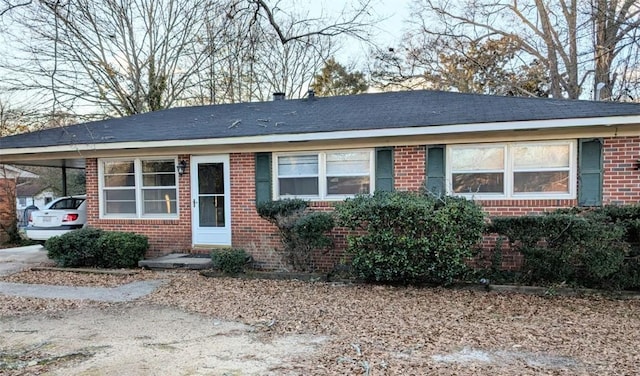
<point x="210" y="200"/>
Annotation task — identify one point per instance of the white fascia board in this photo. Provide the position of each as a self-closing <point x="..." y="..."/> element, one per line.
<point x="341" y="135"/>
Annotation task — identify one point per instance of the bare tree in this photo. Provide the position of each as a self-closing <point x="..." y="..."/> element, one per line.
<point x="335" y="79"/>
<point x="556" y="35"/>
<point x="290" y="67"/>
<point x="126" y="57"/>
<point x="7" y="6"/>
<point x="264" y="49"/>
<point x="121" y="57"/>
<point x="615" y="35"/>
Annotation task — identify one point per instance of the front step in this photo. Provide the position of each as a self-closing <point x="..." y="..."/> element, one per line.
<point x="177" y="261"/>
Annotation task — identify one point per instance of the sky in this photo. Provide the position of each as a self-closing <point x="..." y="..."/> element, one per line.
<point x="387" y="32"/>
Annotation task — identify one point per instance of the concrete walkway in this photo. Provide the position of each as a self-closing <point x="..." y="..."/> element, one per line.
<point x="177" y="261"/>
<point x="15" y="260"/>
<point x="124" y="293"/>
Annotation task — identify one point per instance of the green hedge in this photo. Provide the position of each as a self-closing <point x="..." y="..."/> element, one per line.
<point x="579" y="247"/>
<point x="90" y="247"/>
<point x="121" y="249"/>
<point x="410" y="237"/>
<point x="76" y="248"/>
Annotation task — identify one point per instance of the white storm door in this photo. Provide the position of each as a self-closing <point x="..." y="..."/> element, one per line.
<point x="210" y="200"/>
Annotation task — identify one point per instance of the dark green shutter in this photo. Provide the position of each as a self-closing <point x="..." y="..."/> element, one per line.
<point x="590" y="172"/>
<point x="263" y="177"/>
<point x="384" y="169"/>
<point x="436" y="173"/>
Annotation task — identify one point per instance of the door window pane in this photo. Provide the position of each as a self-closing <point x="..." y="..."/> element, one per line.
<point x="210" y="178"/>
<point x="211" y="211"/>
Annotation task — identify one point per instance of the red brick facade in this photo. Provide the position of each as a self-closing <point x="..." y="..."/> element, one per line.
<point x="621" y="182"/>
<point x="621" y="185"/>
<point x="248" y="230"/>
<point x="409" y="168"/>
<point x="165" y="235"/>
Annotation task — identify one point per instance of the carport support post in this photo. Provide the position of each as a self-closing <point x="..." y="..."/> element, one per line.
<point x="64" y="180"/>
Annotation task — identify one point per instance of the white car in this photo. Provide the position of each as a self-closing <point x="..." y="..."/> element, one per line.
<point x="58" y="217"/>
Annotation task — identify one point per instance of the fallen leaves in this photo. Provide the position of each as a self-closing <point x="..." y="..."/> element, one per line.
<point x="70" y="278"/>
<point x="402" y="330"/>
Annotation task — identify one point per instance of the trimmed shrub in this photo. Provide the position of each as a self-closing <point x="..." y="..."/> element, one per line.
<point x="76" y="248"/>
<point x="231" y="261"/>
<point x="274" y="211"/>
<point x="121" y="249"/>
<point x="97" y="248"/>
<point x="302" y="232"/>
<point x="565" y="248"/>
<point x="410" y="237"/>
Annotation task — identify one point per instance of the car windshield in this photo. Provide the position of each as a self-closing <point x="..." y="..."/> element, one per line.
<point x="67" y="203"/>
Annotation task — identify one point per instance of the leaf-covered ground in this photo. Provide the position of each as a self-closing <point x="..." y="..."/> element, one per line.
<point x="380" y="330"/>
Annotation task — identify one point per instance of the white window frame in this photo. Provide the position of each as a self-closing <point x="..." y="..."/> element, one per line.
<point x="509" y="171"/>
<point x="138" y="188"/>
<point x="322" y="174"/>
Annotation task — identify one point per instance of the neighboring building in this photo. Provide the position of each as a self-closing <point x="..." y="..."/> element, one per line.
<point x="14" y="173"/>
<point x="514" y="155"/>
<point x="31" y="193"/>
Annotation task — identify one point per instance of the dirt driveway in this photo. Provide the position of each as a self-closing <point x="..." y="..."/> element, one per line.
<point x="192" y="325"/>
<point x="143" y="339"/>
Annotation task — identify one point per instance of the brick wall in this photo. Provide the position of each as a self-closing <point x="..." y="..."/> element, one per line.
<point x="409" y="167"/>
<point x="260" y="238"/>
<point x="165" y="235"/>
<point x="621" y="182"/>
<point x="248" y="230"/>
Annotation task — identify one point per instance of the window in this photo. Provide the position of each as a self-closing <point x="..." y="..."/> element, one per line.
<point x="138" y="188"/>
<point x="323" y="175"/>
<point x="22" y="201"/>
<point x="67" y="204"/>
<point x="513" y="170"/>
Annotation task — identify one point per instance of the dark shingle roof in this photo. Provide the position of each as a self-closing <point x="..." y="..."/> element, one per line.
<point x="30" y="188"/>
<point x="356" y="112"/>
